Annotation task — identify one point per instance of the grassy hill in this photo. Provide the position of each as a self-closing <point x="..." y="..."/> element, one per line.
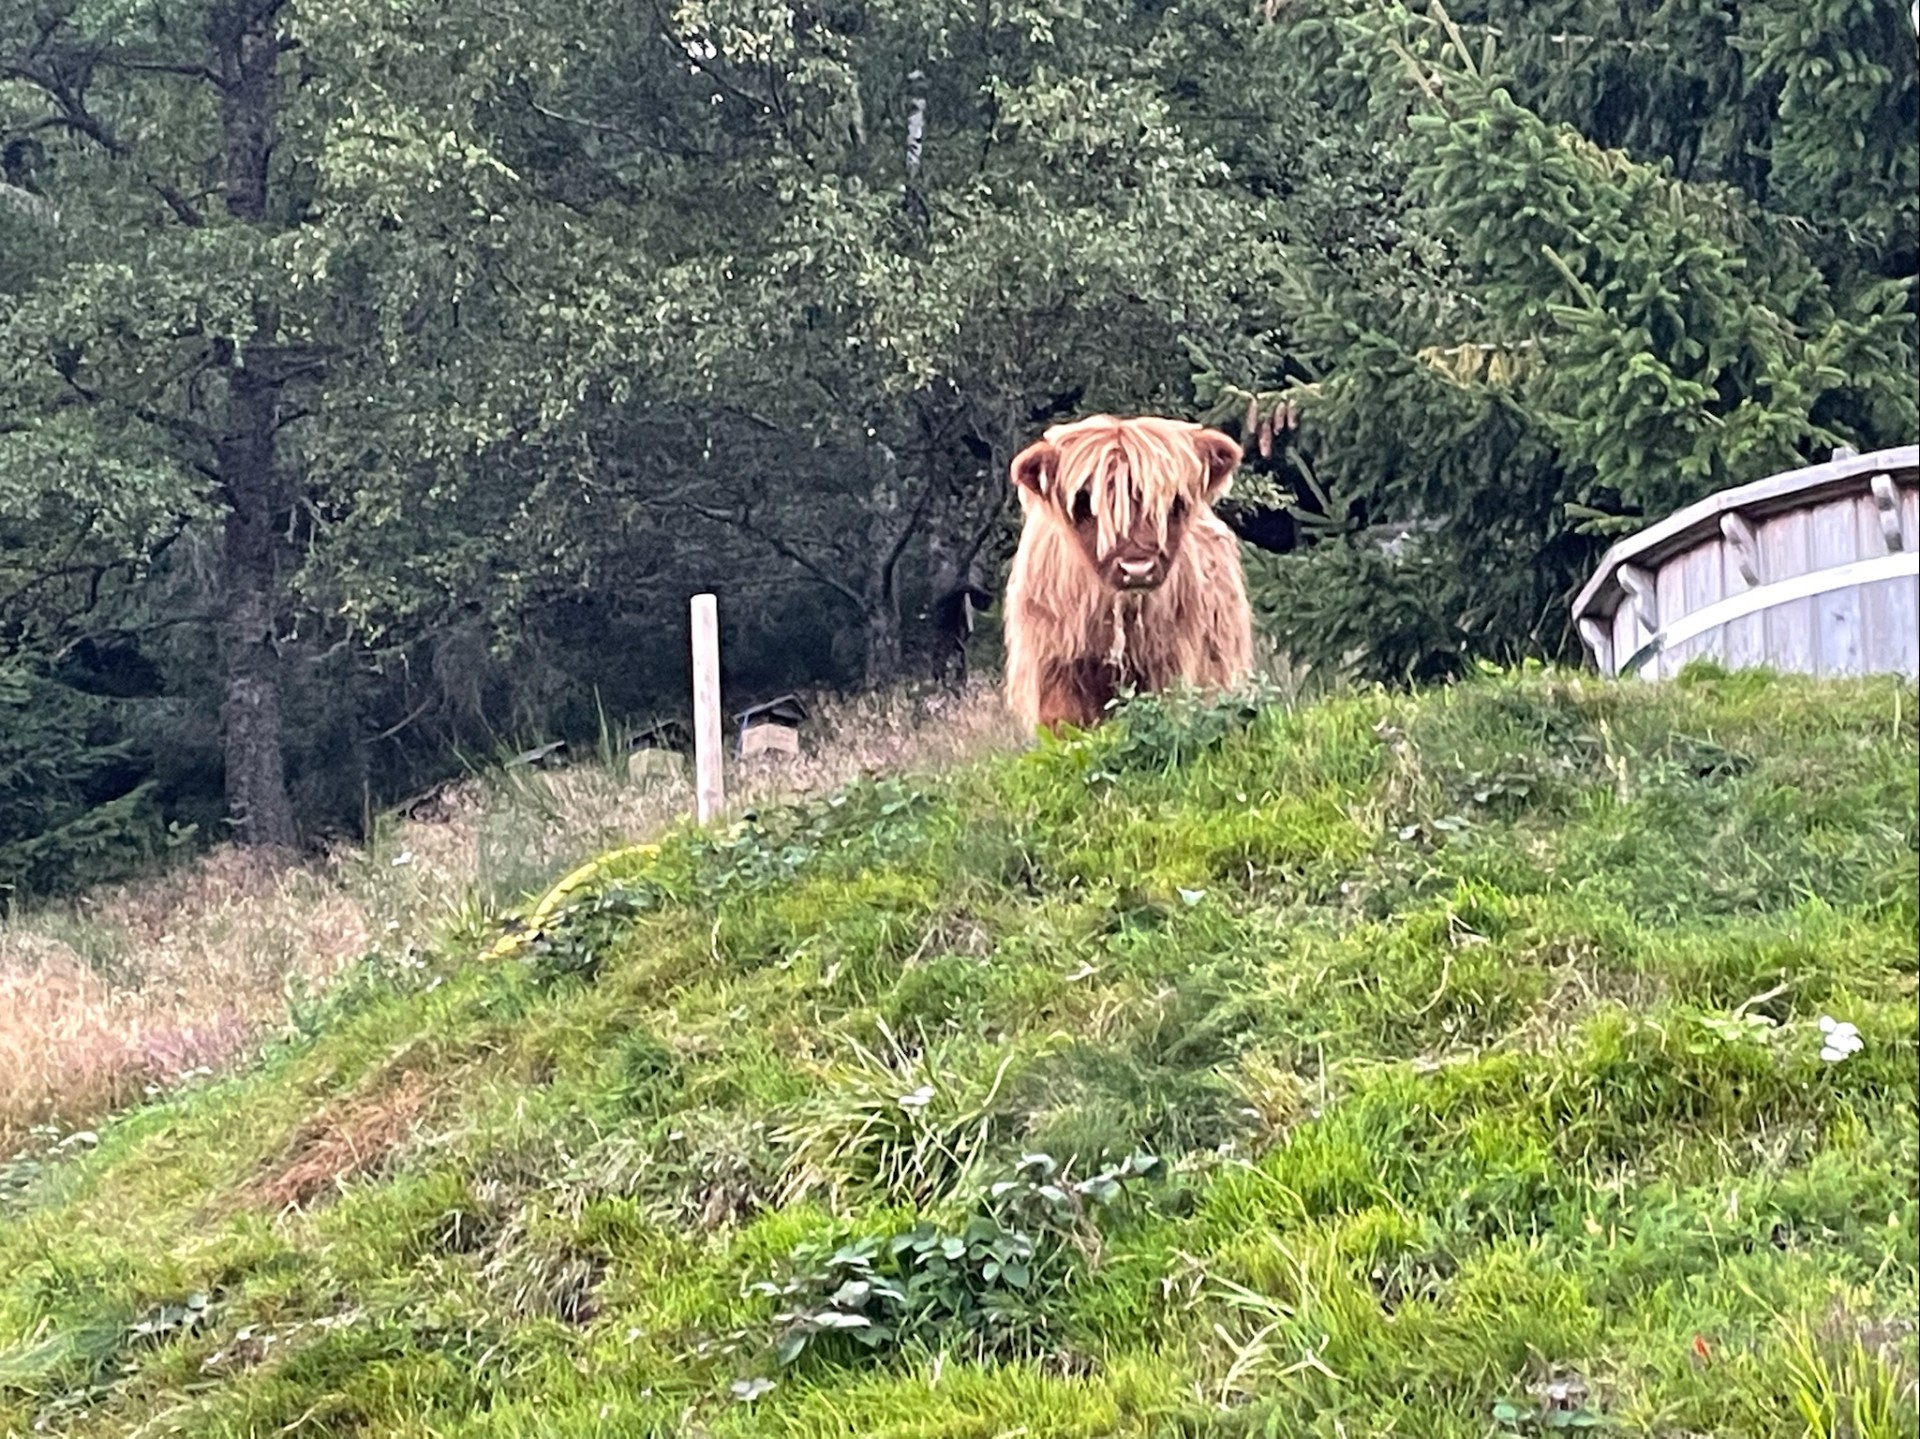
<point x="1445" y="1065"/>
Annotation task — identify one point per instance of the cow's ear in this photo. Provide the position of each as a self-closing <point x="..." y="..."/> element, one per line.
<point x="1034" y="467"/>
<point x="1219" y="458"/>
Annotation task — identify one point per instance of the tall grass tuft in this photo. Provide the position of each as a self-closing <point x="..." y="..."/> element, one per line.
<point x="134" y="988"/>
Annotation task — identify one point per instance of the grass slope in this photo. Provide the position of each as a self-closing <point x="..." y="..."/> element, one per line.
<point x="1476" y="1036"/>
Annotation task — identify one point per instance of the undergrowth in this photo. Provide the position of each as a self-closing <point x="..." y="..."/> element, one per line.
<point x="1529" y="1055"/>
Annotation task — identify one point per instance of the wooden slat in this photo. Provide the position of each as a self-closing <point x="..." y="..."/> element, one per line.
<point x="1627" y="636"/>
<point x="1670" y="584"/>
<point x="1701" y="579"/>
<point x="1789" y="627"/>
<point x="1901" y="646"/>
<point x="1831" y="540"/>
<point x="1743" y="641"/>
<point x="1638" y="587"/>
<point x="1878" y="603"/>
<point x="1889" y="610"/>
<point x="1890" y="621"/>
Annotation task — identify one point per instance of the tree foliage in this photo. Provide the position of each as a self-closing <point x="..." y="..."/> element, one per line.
<point x="1586" y="331"/>
<point x="75" y="805"/>
<point x="379" y="379"/>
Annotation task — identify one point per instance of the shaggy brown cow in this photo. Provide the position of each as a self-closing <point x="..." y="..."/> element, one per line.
<point x="1124" y="577"/>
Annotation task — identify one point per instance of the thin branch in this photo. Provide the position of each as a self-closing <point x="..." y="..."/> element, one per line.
<point x="909" y="529"/>
<point x="763" y="104"/>
<point x="770" y="104"/>
<point x="174" y="425"/>
<point x="164" y="67"/>
<point x="393" y="729"/>
<point x="183" y="211"/>
<point x="753" y="418"/>
<point x="600" y="125"/>
<point x="45" y="122"/>
<point x="74" y="116"/>
<point x="44" y="578"/>
<point x="971" y="551"/>
<point x="744" y="523"/>
<point x="77" y="119"/>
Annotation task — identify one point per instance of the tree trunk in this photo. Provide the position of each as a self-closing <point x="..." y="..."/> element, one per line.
<point x="953" y="590"/>
<point x="971" y="500"/>
<point x="250" y="718"/>
<point x="880" y="607"/>
<point x="246" y="42"/>
<point x="883" y="640"/>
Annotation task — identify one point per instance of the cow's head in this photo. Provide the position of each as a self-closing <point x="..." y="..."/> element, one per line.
<point x="1126" y="489"/>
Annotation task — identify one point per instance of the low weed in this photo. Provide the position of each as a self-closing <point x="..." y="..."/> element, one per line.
<point x="988" y="1283"/>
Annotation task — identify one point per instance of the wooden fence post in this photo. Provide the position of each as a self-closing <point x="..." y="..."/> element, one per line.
<point x="709" y="785"/>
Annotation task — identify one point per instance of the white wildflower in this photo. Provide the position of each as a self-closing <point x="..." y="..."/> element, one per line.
<point x="1841" y="1039"/>
<point x="919" y="1099"/>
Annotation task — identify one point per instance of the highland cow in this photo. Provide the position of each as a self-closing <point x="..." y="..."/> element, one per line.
<point x="1125" y="578"/>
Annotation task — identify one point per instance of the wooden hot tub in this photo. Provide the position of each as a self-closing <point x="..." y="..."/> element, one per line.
<point x="1816" y="570"/>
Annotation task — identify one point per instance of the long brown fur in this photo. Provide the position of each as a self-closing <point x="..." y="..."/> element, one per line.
<point x="1095" y="496"/>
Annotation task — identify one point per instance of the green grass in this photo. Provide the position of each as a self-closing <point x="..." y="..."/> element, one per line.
<point x="1476" y="1033"/>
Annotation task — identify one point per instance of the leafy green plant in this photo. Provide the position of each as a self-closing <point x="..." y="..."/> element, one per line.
<point x="872" y="815"/>
<point x="1159" y="732"/>
<point x="991" y="1282"/>
<point x="1516" y="1416"/>
<point x="172" y="1320"/>
<point x="577" y="941"/>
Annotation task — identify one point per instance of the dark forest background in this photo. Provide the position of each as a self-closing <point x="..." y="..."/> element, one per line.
<point x="378" y="379"/>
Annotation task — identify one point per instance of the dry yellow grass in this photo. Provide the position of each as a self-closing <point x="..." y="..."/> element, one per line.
<point x="348" y="1137"/>
<point x="142" y="984"/>
<point x="134" y="987"/>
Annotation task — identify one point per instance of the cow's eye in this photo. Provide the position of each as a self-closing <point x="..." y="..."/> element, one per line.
<point x="1082" y="508"/>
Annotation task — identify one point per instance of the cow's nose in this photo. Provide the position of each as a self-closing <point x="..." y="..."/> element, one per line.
<point x="1136" y="570"/>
